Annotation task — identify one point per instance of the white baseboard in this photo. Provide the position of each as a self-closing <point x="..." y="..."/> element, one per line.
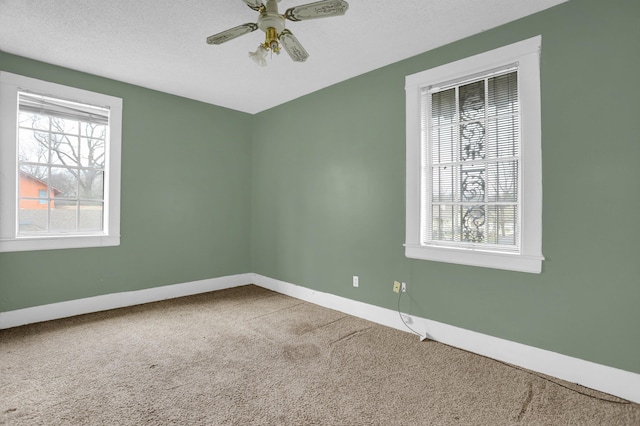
<point x="623" y="384"/>
<point x="117" y="300"/>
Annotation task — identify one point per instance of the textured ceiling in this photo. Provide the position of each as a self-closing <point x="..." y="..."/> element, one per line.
<point x="160" y="44"/>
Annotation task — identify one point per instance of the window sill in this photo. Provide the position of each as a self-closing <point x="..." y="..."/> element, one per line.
<point x="481" y="258"/>
<point x="58" y="242"/>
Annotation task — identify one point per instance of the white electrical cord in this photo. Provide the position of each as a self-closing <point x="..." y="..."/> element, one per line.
<point x="402" y="318"/>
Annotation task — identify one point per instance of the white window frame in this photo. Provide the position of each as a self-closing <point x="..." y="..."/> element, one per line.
<point x="526" y="54"/>
<point x="10" y="84"/>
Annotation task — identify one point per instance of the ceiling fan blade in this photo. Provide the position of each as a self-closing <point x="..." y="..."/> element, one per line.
<point x="319" y="9"/>
<point x="232" y="33"/>
<point x="254" y="4"/>
<point x="293" y="46"/>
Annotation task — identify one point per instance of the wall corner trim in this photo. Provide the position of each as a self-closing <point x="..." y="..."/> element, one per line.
<point x="614" y="381"/>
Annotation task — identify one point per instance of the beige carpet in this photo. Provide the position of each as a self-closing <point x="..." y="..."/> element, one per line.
<point x="248" y="356"/>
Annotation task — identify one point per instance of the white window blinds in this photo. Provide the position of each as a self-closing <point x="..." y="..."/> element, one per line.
<point x="471" y="162"/>
<point x="45" y="105"/>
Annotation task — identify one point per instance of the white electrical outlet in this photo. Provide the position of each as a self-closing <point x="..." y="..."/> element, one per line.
<point x="356" y="281"/>
<point x="404" y="287"/>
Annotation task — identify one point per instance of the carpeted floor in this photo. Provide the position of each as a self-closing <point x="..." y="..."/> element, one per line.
<point x="248" y="356"/>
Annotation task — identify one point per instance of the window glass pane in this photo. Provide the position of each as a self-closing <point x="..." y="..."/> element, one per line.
<point x="503" y="182"/>
<point x="502" y="225"/>
<point x="32" y="219"/>
<point x="63" y="125"/>
<point x="63" y="216"/>
<point x="33" y="121"/>
<point x="91" y="216"/>
<point x="65" y="182"/>
<point x="503" y="137"/>
<point x="471" y="101"/>
<point x="92" y="153"/>
<point x="35" y="197"/>
<point x="91" y="184"/>
<point x="472" y="219"/>
<point x="472" y="183"/>
<point x="64" y="149"/>
<point x="443" y="186"/>
<point x="94" y="129"/>
<point x="443" y="107"/>
<point x="443" y="223"/>
<point x="33" y="146"/>
<point x="443" y="144"/>
<point x="502" y="95"/>
<point x="29" y="175"/>
<point x="472" y="141"/>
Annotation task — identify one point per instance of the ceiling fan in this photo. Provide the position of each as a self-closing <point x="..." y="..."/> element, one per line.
<point x="272" y="23"/>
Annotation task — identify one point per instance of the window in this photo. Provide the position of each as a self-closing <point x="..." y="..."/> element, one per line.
<point x="60" y="153"/>
<point x="42" y="194"/>
<point x="474" y="184"/>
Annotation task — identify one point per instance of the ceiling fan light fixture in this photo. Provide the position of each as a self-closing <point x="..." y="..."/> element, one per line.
<point x="273" y="24"/>
<point x="259" y="56"/>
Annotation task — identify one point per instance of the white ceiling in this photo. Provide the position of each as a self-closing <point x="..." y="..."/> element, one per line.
<point x="160" y="44"/>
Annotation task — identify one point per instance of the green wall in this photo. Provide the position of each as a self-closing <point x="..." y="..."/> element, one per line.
<point x="312" y="192"/>
<point x="186" y="193"/>
<point x="328" y="193"/>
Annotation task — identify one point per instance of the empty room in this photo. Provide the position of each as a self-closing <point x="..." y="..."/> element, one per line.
<point x="279" y="212"/>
